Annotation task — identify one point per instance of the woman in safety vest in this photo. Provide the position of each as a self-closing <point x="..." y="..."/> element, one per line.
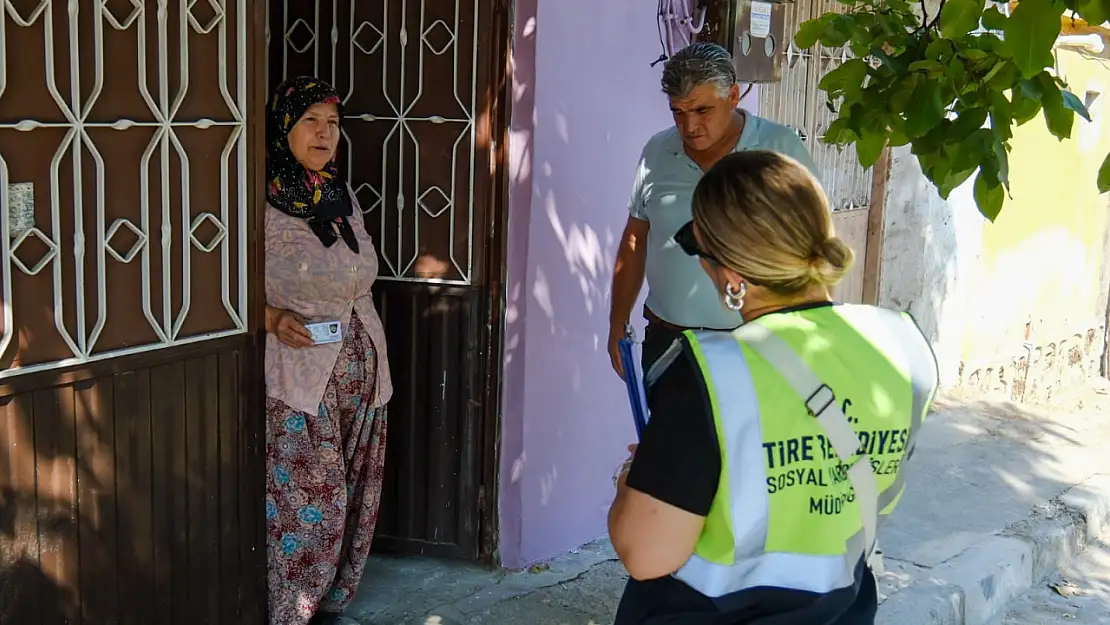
<point x="775" y="451"/>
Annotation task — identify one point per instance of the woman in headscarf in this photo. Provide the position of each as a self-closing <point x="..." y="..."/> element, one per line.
<point x="325" y="397"/>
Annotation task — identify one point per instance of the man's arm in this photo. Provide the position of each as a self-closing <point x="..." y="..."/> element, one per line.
<point x="628" y="279"/>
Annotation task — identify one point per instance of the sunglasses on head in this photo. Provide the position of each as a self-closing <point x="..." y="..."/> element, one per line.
<point x="689" y="243"/>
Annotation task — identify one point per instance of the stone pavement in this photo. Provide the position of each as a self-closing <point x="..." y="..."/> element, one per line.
<point x="999" y="496"/>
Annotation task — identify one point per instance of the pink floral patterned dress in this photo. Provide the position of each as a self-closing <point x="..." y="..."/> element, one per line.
<point x="326" y="422"/>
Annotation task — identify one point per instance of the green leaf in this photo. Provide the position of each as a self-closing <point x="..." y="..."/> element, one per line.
<point x="1104" y="175"/>
<point x="1004" y="75"/>
<point x="995" y="71"/>
<point x="925" y="65"/>
<point x="993" y="19"/>
<point x="840" y="133"/>
<point x="1031" y="31"/>
<point x="1031" y="88"/>
<point x="959" y="17"/>
<point x="937" y="169"/>
<point x="869" y="147"/>
<point x="1058" y="117"/>
<point x="953" y="180"/>
<point x="838" y="31"/>
<point x="810" y="31"/>
<point x="1075" y="104"/>
<point x="968" y="122"/>
<point x="971" y="152"/>
<point x="939" y="48"/>
<point x="925" y="110"/>
<point x="988" y="197"/>
<point x="1002" y="120"/>
<point x="991" y="43"/>
<point x="1003" y="163"/>
<point x="897" y="138"/>
<point x="1094" y="12"/>
<point x="973" y="54"/>
<point x="846" y="80"/>
<point x="892" y="63"/>
<point x="933" y="141"/>
<point x="957" y="73"/>
<point x="1024" y="107"/>
<point x="898" y="98"/>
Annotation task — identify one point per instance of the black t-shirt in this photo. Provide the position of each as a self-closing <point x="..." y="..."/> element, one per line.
<point x="678" y="461"/>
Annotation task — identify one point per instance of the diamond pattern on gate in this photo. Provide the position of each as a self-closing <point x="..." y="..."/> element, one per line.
<point x="30" y="18"/>
<point x="136" y="247"/>
<point x="208" y="26"/>
<point x="43" y="261"/>
<point x="81" y="280"/>
<point x="376" y="198"/>
<point x="403" y="119"/>
<point x="376" y="38"/>
<point x="433" y="206"/>
<point x="311" y="34"/>
<point x="215" y="240"/>
<point x="110" y="17"/>
<point x="438" y="30"/>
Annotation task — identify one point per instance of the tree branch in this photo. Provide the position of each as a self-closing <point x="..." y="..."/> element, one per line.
<point x="936" y="18"/>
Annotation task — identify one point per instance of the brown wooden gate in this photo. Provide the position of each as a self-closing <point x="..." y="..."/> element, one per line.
<point x="422" y="145"/>
<point x="131" y="467"/>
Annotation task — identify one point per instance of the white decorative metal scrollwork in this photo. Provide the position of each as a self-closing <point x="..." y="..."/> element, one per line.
<point x="438" y="37"/>
<point x="91" y="235"/>
<point x="797" y="102"/>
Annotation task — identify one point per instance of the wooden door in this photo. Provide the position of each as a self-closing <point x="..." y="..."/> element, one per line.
<point x="855" y="193"/>
<point x="420" y="81"/>
<point x="131" y="461"/>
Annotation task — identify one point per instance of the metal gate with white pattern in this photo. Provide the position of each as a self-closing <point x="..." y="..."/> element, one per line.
<point x="131" y="463"/>
<point x="797" y="102"/>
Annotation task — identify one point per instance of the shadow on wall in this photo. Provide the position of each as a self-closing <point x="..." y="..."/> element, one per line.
<point x="577" y="127"/>
<point x="521" y="128"/>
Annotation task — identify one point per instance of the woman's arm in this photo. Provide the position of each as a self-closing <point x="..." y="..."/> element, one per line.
<point x="662" y="501"/>
<point x="651" y="537"/>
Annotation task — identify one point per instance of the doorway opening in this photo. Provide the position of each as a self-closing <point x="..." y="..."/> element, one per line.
<point x="423" y="86"/>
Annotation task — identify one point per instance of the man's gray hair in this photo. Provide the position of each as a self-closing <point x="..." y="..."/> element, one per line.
<point x="698" y="64"/>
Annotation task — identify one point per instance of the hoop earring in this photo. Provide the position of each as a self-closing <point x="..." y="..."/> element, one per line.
<point x="734" y="299"/>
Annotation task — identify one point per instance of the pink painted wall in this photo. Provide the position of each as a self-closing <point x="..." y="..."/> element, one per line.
<point x="586" y="100"/>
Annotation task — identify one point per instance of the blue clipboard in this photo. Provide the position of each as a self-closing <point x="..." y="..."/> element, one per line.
<point x="633" y="380"/>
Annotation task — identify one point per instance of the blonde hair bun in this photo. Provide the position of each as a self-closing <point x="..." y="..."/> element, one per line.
<point x="766" y="217"/>
<point x="831" y="259"/>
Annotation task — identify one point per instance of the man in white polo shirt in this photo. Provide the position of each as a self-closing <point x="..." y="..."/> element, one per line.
<point x="700" y="82"/>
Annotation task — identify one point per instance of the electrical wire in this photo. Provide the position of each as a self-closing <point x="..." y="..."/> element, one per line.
<point x="678" y="22"/>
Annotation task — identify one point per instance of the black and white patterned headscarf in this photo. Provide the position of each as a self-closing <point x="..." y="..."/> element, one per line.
<point x="319" y="197"/>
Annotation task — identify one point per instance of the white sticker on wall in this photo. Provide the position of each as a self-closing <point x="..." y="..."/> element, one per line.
<point x="761" y="19"/>
<point x="21" y="208"/>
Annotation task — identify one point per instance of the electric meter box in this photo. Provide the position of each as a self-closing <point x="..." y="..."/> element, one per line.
<point x="754" y="32"/>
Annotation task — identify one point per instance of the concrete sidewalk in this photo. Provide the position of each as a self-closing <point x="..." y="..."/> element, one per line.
<point x="998" y="497"/>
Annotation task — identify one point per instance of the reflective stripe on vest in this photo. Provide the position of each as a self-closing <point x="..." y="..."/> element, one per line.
<point x="785" y="514"/>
